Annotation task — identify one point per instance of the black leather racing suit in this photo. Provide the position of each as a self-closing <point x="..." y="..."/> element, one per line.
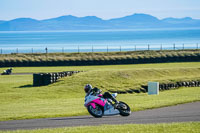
<point x="96" y="91"/>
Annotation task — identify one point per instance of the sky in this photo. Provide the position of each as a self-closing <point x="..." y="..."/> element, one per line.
<point x="105" y="9"/>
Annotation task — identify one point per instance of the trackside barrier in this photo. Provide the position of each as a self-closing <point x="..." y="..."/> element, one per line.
<point x="40" y="79"/>
<point x="162" y="87"/>
<point x="153" y="88"/>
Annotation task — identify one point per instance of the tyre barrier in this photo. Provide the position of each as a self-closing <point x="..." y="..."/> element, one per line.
<point x="162" y="87"/>
<point x="41" y="79"/>
<point x="179" y="84"/>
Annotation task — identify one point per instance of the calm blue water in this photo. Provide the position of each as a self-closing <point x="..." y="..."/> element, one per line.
<point x="88" y="41"/>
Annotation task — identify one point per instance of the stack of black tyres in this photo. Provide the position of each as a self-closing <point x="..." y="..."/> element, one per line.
<point x="40" y="79"/>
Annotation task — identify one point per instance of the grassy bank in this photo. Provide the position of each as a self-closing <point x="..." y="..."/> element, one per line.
<point x="38" y="105"/>
<point x="185" y="127"/>
<point x="110" y="58"/>
<point x="19" y="100"/>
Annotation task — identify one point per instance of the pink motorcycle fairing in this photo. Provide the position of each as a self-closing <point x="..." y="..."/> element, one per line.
<point x="99" y="101"/>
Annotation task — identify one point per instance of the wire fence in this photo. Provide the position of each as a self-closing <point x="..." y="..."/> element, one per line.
<point x="97" y="48"/>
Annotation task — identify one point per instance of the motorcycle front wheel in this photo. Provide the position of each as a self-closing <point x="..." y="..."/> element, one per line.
<point x="97" y="112"/>
<point x="124" y="109"/>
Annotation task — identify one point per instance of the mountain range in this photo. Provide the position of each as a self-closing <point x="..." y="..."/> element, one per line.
<point x="69" y="22"/>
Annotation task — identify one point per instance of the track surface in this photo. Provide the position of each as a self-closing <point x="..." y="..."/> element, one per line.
<point x="20" y="74"/>
<point x="180" y="113"/>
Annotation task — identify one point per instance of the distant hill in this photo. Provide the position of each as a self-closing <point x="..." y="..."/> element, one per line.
<point x="75" y="23"/>
<point x="136" y="21"/>
<point x="69" y="22"/>
<point x="182" y="22"/>
<point x="21" y="24"/>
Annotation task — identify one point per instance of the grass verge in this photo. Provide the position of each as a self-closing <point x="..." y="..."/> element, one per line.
<point x="19" y="100"/>
<point x="27" y="108"/>
<point x="185" y="127"/>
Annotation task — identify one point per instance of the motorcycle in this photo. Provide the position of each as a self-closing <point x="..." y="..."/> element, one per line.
<point x="98" y="106"/>
<point x="7" y="72"/>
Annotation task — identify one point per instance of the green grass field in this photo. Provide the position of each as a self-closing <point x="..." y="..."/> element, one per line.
<point x="19" y="100"/>
<point x="186" y="127"/>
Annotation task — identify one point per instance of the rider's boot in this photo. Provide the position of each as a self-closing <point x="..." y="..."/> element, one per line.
<point x="108" y="95"/>
<point x="116" y="102"/>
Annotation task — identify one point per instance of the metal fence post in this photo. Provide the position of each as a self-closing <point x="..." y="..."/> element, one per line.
<point x="78" y="49"/>
<point x="17" y="50"/>
<point x="92" y="49"/>
<point x="183" y="46"/>
<point x="148" y="47"/>
<point x="161" y="47"/>
<point x="197" y="46"/>
<point x="1" y="51"/>
<point x="107" y="48"/>
<point x="63" y="50"/>
<point x="135" y="47"/>
<point x="46" y="49"/>
<point x="32" y="50"/>
<point x="120" y="48"/>
<point x="174" y="46"/>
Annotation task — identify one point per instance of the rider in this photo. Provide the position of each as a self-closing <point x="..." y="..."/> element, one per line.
<point x="8" y="71"/>
<point x="95" y="91"/>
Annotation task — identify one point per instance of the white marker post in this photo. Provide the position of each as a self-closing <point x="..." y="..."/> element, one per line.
<point x="153" y="88"/>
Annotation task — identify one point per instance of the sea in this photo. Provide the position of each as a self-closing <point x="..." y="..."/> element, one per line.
<point x="98" y="40"/>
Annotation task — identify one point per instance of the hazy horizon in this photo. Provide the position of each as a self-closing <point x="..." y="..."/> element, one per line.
<point x="100" y="17"/>
<point x="44" y="9"/>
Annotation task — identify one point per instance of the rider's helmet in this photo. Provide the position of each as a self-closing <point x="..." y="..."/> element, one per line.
<point x="87" y="88"/>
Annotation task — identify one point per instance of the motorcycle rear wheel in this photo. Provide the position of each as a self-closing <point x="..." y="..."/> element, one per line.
<point x="97" y="112"/>
<point x="124" y="109"/>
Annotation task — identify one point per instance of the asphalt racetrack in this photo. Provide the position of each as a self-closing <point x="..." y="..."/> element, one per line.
<point x="179" y="113"/>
